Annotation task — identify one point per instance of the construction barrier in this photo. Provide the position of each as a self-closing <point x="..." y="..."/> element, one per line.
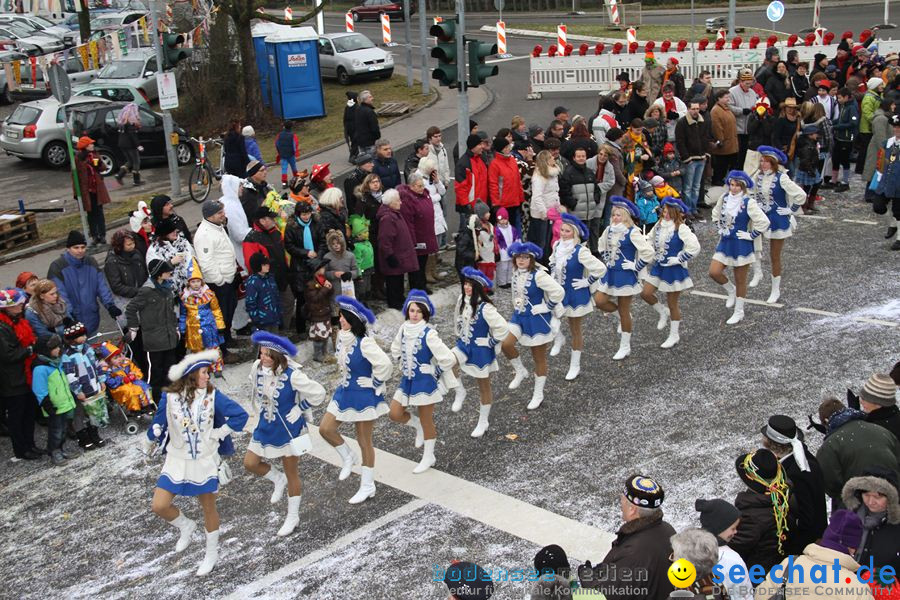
<point x="386" y="30"/>
<point x="561" y="41"/>
<point x="348" y="18"/>
<point x="501" y="39"/>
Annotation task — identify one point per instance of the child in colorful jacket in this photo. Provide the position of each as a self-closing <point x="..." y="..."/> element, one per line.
<point x="87" y="381"/>
<point x="364" y="253"/>
<point x="51" y="389"/>
<point x="201" y="323"/>
<point x="124" y="380"/>
<point x="262" y="301"/>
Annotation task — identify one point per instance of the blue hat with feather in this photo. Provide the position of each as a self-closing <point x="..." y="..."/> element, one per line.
<point x="676" y="202"/>
<point x="353" y="306"/>
<point x="578" y="224"/>
<point x="274" y="342"/>
<point x="740" y="176"/>
<point x="478" y="277"/>
<point x="419" y="297"/>
<point x="525" y="248"/>
<point x="623" y="202"/>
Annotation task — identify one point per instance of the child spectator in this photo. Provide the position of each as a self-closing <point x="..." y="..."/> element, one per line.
<point x="648" y="205"/>
<point x="124" y="380"/>
<point x="51" y="389"/>
<point x="342" y="269"/>
<point x="506" y="236"/>
<point x="363" y="251"/>
<point x="288" y="148"/>
<point x="808" y="175"/>
<point x="669" y="168"/>
<point x="250" y="144"/>
<point x="263" y="302"/>
<point x="483" y="235"/>
<point x="318" y="295"/>
<point x="662" y="189"/>
<point x="86" y="381"/>
<point x="201" y="324"/>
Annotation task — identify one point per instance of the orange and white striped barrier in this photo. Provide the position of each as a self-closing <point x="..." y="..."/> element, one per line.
<point x="501" y="40"/>
<point x="613" y="12"/>
<point x="386" y="30"/>
<point x="561" y="36"/>
<point x="820" y="35"/>
<point x="288" y="14"/>
<point x="631" y="35"/>
<point x="348" y="18"/>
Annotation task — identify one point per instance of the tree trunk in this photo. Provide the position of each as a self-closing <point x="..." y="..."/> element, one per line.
<point x="252" y="95"/>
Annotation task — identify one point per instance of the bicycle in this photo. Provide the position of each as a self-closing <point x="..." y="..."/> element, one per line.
<point x="202" y="176"/>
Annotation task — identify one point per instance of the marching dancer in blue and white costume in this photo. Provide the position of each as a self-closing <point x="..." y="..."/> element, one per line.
<point x="284" y="396"/>
<point x="674" y="244"/>
<point x="780" y="199"/>
<point x="193" y="423"/>
<point x="535" y="319"/>
<point x="426" y="373"/>
<point x="479" y="329"/>
<point x="739" y="220"/>
<point x="574" y="267"/>
<point x="625" y="251"/>
<point x="359" y="397"/>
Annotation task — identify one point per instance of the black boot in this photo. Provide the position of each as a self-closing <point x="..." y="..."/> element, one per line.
<point x="318" y="351"/>
<point x="137" y="178"/>
<point x="891" y="232"/>
<point x="84" y="439"/>
<point x="94" y="434"/>
<point x="121" y="174"/>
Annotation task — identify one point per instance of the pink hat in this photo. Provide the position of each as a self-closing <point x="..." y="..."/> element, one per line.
<point x="657" y="181"/>
<point x="502" y="213"/>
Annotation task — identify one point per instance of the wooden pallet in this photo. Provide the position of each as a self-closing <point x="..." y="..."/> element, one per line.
<point x="393" y="109"/>
<point x="20" y="230"/>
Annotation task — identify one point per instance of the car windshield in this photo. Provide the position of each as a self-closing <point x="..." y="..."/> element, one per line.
<point x="24" y="115"/>
<point x="17" y="29"/>
<point x="349" y="43"/>
<point x="122" y="69"/>
<point x="43" y="22"/>
<point x="103" y="22"/>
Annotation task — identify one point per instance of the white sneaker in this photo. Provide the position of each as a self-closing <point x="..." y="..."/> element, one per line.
<point x="663" y="315"/>
<point x="732" y="293"/>
<point x="558" y="342"/>
<point x="459" y="398"/>
<point x="186" y="527"/>
<point x="521" y="373"/>
<point x="757" y="271"/>
<point x="280" y="481"/>
<point x="574" y="365"/>
<point x="673" y="338"/>
<point x="417" y="425"/>
<point x="293" y="517"/>
<point x="776" y="290"/>
<point x="624" y="346"/>
<point x="212" y="553"/>
<point x="484" y="410"/>
<point x="366" y="486"/>
<point x="428" y="458"/>
<point x="738" y="315"/>
<point x="537" y="396"/>
<point x="348" y="460"/>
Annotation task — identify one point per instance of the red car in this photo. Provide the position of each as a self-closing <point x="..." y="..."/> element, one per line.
<point x="372" y="10"/>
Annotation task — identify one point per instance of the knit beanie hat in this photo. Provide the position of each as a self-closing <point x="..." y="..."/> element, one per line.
<point x="157" y="267"/>
<point x="211" y="207"/>
<point x="500" y="144"/>
<point x="880" y="389"/>
<point x="472" y="141"/>
<point x="844" y="531"/>
<point x="45" y="346"/>
<point x="716" y="515"/>
<point x="75" y="238"/>
<point x="482" y="210"/>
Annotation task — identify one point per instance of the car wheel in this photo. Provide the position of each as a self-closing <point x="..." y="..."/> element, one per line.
<point x="107" y="164"/>
<point x="55" y="154"/>
<point x="184" y="153"/>
<point x="356" y="17"/>
<point x="343" y="76"/>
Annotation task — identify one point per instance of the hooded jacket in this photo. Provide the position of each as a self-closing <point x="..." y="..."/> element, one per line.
<point x="504" y="182"/>
<point x="881" y="538"/>
<point x="215" y="253"/>
<point x="823" y="559"/>
<point x="756" y="539"/>
<point x="125" y="273"/>
<point x="153" y="311"/>
<point x="471" y="182"/>
<point x="81" y="285"/>
<point x="578" y="191"/>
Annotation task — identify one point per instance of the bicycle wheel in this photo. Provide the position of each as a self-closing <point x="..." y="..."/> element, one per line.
<point x="200" y="183"/>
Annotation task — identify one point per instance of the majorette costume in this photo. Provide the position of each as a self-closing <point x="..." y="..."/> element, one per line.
<point x="739" y="221"/>
<point x="194" y="432"/>
<point x="535" y="322"/>
<point x="201" y="319"/>
<point x="478" y="332"/>
<point x="672" y="248"/>
<point x="284" y="400"/>
<point x="625" y="251"/>
<point x="780" y="199"/>
<point x="577" y="270"/>
<point x="125" y="382"/>
<point x="364" y="367"/>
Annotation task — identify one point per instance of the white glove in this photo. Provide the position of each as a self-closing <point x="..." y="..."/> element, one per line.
<point x="484" y="342"/>
<point x="629" y="265"/>
<point x="132" y="333"/>
<point x="157" y="430"/>
<point x="539" y="309"/>
<point x="580" y="284"/>
<point x="672" y="261"/>
<point x="365" y="382"/>
<point x="293" y="415"/>
<point x="220" y="433"/>
<point x="744" y="235"/>
<point x="147" y="446"/>
<point x="308" y="416"/>
<point x="784" y="212"/>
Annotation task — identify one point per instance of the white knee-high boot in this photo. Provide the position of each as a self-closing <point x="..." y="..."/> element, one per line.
<point x="521" y="373"/>
<point x="574" y="365"/>
<point x="537" y="396"/>
<point x="293" y="517"/>
<point x="366" y="486"/>
<point x="428" y="458"/>
<point x="212" y="553"/>
<point x="776" y="290"/>
<point x="663" y="312"/>
<point x="738" y="315"/>
<point x="280" y="481"/>
<point x="757" y="270"/>
<point x="673" y="338"/>
<point x="731" y="290"/>
<point x="459" y="398"/>
<point x="558" y="343"/>
<point x="417" y="425"/>
<point x="186" y="527"/>
<point x="348" y="459"/>
<point x="484" y="411"/>
<point x="624" y="346"/>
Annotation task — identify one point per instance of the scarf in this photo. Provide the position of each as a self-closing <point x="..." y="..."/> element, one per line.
<point x="666" y="75"/>
<point x="564" y="249"/>
<point x="795" y="443"/>
<point x="733" y="204"/>
<point x="25" y="336"/>
<point x="670" y="105"/>
<point x="307" y="233"/>
<point x="51" y="315"/>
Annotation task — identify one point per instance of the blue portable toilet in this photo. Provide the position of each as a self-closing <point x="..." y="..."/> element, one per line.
<point x="259" y="32"/>
<point x="294" y="77"/>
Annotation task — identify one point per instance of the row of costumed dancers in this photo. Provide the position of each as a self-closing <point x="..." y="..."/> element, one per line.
<point x="194" y="421"/>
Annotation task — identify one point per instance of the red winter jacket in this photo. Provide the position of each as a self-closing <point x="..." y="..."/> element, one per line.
<point x="504" y="182"/>
<point x="471" y="182"/>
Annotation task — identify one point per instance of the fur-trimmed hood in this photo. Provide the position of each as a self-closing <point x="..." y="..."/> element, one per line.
<point x="851" y="495"/>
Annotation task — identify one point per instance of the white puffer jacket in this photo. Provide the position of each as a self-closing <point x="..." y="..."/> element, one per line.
<point x="544" y="193"/>
<point x="215" y="253"/>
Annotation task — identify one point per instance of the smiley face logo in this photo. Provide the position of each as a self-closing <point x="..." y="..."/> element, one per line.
<point x="682" y="573"/>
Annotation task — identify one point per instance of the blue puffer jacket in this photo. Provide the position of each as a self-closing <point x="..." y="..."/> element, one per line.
<point x="82" y="285"/>
<point x="263" y="302"/>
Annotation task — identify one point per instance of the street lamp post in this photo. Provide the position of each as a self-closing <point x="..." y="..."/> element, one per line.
<point x="887" y="17"/>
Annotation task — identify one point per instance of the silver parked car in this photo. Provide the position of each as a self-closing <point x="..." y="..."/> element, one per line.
<point x="36" y="130"/>
<point x="5" y="57"/>
<point x="28" y="41"/>
<point x="349" y="56"/>
<point x="137" y="69"/>
<point x="714" y="24"/>
<point x="78" y="75"/>
<point x="108" y="20"/>
<point x="36" y="23"/>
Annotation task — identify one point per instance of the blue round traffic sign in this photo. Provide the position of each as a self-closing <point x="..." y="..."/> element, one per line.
<point x="775" y="11"/>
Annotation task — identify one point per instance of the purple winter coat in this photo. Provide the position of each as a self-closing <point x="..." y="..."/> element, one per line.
<point x="395" y="240"/>
<point x="418" y="210"/>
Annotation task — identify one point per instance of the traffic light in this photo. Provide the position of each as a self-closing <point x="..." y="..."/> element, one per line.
<point x="478" y="71"/>
<point x="447" y="71"/>
<point x="173" y="53"/>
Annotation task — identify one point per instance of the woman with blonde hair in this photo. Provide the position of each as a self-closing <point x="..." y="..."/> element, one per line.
<point x="544" y="196"/>
<point x="47" y="310"/>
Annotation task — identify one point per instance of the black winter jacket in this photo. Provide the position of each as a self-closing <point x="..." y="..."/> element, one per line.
<point x="293" y="244"/>
<point x="808" y="489"/>
<point x="756" y="539"/>
<point x="354" y="179"/>
<point x="807" y="154"/>
<point x="12" y="363"/>
<point x="365" y="126"/>
<point x="153" y="311"/>
<point x="777" y="89"/>
<point x="330" y="219"/>
<point x="888" y="417"/>
<point x="125" y="273"/>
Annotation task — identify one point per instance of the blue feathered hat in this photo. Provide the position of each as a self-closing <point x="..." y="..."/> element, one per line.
<point x="677" y="203"/>
<point x="419" y="297"/>
<point x="274" y="342"/>
<point x="740" y="176"/>
<point x="578" y="224"/>
<point x="352" y="305"/>
<point x="775" y="153"/>
<point x="478" y="277"/>
<point x="623" y="202"/>
<point x="525" y="248"/>
<point x="191" y="363"/>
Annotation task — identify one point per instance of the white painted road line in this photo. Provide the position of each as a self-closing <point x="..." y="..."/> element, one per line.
<point x="746" y="300"/>
<point x="875" y="321"/>
<point x="819" y="217"/>
<point x="816" y="311"/>
<point x="861" y="222"/>
<point x="255" y="587"/>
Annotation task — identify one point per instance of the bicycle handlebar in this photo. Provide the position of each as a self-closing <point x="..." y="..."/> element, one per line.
<point x="207" y="141"/>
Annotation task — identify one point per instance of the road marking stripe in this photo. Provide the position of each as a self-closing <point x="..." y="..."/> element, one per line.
<point x="254" y="587"/>
<point x="816" y="311"/>
<point x="874" y="321"/>
<point x="861" y="222"/>
<point x="746" y="300"/>
<point x="819" y="217"/>
<point x="813" y="311"/>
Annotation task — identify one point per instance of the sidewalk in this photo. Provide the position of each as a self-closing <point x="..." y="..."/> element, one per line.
<point x="402" y="133"/>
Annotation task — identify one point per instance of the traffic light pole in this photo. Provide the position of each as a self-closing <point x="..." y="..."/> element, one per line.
<point x="423" y="46"/>
<point x="462" y="126"/>
<point x="168" y="128"/>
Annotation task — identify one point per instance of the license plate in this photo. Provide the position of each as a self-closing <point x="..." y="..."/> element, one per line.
<point x="13" y="135"/>
<point x="375" y="68"/>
